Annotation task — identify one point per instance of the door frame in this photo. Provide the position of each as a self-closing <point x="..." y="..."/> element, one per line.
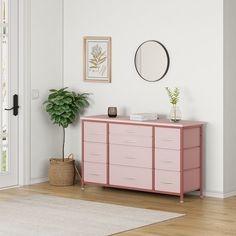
<point x="24" y="166"/>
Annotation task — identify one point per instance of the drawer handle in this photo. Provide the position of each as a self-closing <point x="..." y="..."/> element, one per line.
<point x="95" y="134"/>
<point x="130" y="132"/>
<point x="130" y="158"/>
<point x="167" y="161"/>
<point x="167" y="140"/>
<point x="130" y="178"/>
<point x="130" y="141"/>
<point x="94" y="154"/>
<point x="166" y="183"/>
<point x="94" y="174"/>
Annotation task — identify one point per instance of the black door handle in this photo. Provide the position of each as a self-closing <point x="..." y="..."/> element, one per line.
<point x="15" y="105"/>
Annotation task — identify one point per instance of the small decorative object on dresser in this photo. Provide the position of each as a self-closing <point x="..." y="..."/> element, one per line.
<point x="144" y="116"/>
<point x="175" y="114"/>
<point x="63" y="107"/>
<point x="155" y="156"/>
<point x="112" y="112"/>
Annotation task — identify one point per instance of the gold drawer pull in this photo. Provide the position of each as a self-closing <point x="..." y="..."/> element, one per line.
<point x="130" y="141"/>
<point x="95" y="134"/>
<point x="94" y="174"/>
<point x="130" y="132"/>
<point x="130" y="158"/>
<point x="166" y="183"/>
<point x="94" y="154"/>
<point x="166" y="140"/>
<point x="130" y="178"/>
<point x="167" y="161"/>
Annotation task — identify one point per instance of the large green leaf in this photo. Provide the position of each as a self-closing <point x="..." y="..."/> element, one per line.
<point x="68" y="100"/>
<point x="49" y="107"/>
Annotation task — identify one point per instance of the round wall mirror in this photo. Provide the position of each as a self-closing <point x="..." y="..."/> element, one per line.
<point x="151" y="61"/>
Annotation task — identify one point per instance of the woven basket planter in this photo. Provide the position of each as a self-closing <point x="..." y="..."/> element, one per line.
<point x="61" y="173"/>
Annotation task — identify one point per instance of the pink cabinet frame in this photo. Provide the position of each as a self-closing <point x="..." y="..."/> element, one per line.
<point x="182" y="126"/>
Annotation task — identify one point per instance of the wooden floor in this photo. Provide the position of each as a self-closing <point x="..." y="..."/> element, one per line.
<point x="207" y="217"/>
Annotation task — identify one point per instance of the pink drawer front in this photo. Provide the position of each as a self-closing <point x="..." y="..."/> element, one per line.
<point x="167" y="138"/>
<point x="192" y="137"/>
<point x="95" y="132"/>
<point x="124" y="176"/>
<point x="191" y="158"/>
<point x="95" y="152"/>
<point x="130" y="130"/>
<point x="95" y="172"/>
<point x="167" y="181"/>
<point x="130" y="140"/>
<point x="167" y="159"/>
<point x="191" y="180"/>
<point x="131" y="156"/>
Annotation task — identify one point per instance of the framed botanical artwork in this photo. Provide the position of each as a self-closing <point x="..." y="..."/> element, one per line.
<point x="97" y="59"/>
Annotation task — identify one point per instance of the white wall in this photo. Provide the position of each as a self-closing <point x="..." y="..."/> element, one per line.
<point x="46" y="73"/>
<point x="229" y="97"/>
<point x="191" y="30"/>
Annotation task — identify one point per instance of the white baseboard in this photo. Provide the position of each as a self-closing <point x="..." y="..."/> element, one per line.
<point x="207" y="194"/>
<point x="220" y="194"/>
<point x="38" y="180"/>
<point x="214" y="194"/>
<point x="5" y="188"/>
<point x="230" y="194"/>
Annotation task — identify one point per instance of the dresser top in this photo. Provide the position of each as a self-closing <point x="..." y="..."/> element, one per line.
<point x="126" y="120"/>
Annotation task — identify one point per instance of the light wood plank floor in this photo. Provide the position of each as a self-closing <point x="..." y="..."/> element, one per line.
<point x="207" y="217"/>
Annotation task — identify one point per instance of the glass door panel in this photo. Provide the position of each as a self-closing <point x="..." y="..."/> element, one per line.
<point x="8" y="87"/>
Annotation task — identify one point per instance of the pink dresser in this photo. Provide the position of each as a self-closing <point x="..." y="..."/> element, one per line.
<point x="154" y="156"/>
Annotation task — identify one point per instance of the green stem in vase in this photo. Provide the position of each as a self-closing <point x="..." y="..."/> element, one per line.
<point x="174" y="106"/>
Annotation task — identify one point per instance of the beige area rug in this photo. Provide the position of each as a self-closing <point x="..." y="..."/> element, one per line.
<point x="45" y="215"/>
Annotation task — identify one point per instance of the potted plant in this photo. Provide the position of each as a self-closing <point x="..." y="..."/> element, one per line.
<point x="175" y="114"/>
<point x="63" y="107"/>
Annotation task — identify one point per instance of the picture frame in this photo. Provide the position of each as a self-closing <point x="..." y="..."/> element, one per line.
<point x="97" y="59"/>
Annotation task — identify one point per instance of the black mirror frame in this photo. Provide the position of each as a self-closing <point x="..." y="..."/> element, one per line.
<point x="168" y="60"/>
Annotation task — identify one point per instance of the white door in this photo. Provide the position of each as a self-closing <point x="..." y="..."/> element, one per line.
<point x="8" y="87"/>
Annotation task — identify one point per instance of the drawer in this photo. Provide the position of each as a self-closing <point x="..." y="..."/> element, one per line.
<point x="130" y="140"/>
<point x="192" y="158"/>
<point x="124" y="176"/>
<point x="167" y="181"/>
<point x="130" y="130"/>
<point x="95" y="172"/>
<point x="95" y="132"/>
<point x="191" y="137"/>
<point x="167" y="138"/>
<point x="95" y="152"/>
<point x="191" y="180"/>
<point x="167" y="159"/>
<point x="131" y="156"/>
